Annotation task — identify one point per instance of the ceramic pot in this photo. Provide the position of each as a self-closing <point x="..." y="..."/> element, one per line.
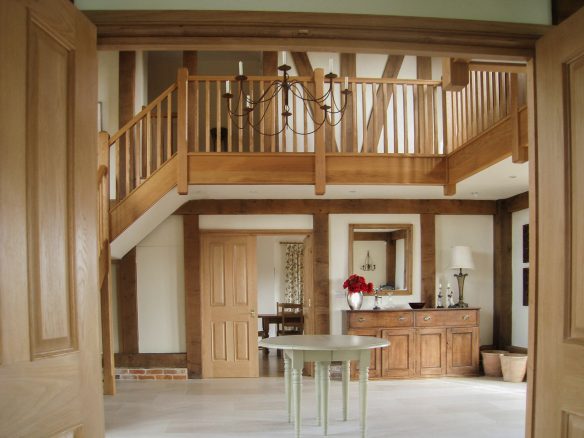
<point x="514" y="367"/>
<point x="355" y="300"/>
<point x="492" y="362"/>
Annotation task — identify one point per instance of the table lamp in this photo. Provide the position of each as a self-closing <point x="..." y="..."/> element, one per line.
<point x="461" y="258"/>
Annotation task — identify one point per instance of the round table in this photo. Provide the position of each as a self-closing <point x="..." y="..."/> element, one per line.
<point x="322" y="350"/>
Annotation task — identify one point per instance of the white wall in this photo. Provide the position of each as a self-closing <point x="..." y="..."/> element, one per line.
<point x="256" y="222"/>
<point x="520" y="313"/>
<point x="476" y="232"/>
<point x="520" y="11"/>
<point x="339" y="264"/>
<point x="160" y="272"/>
<point x="115" y="321"/>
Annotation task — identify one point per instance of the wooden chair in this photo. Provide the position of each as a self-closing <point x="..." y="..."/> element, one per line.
<point x="292" y="322"/>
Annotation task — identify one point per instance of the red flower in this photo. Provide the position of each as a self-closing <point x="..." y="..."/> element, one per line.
<point x="355" y="283"/>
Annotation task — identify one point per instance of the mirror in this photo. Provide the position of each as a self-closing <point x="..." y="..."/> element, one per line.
<point x="382" y="253"/>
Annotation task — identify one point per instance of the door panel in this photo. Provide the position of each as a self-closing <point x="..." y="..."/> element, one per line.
<point x="557" y="341"/>
<point x="462" y="353"/>
<point x="398" y="360"/>
<point x="229" y="297"/>
<point x="431" y="344"/>
<point x="50" y="365"/>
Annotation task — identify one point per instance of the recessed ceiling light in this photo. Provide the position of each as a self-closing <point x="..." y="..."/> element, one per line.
<point x="253" y="191"/>
<point x="512" y="176"/>
<point x="475" y="194"/>
<point x="352" y="191"/>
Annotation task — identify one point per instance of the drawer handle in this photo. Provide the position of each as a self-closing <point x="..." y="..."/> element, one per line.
<point x="466" y="317"/>
<point x="361" y="319"/>
<point x="401" y="318"/>
<point x="427" y="318"/>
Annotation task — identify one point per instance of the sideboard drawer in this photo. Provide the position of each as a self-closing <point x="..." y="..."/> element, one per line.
<point x="446" y="318"/>
<point x="380" y="319"/>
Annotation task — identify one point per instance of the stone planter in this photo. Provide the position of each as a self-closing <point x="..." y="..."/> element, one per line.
<point x="514" y="367"/>
<point x="492" y="362"/>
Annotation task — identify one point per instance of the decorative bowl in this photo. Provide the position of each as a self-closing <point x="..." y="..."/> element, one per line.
<point x="417" y="305"/>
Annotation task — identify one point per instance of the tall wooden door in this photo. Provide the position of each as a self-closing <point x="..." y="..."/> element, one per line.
<point x="50" y="370"/>
<point x="229" y="303"/>
<point x="558" y="387"/>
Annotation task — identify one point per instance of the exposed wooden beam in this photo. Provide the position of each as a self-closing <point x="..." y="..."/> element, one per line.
<point x="192" y="262"/>
<point x="128" y="303"/>
<point x="304" y="68"/>
<point x="423" y="67"/>
<point x="337" y="206"/>
<point x="502" y="67"/>
<point x="348" y="69"/>
<point x="517" y="203"/>
<point x="151" y="360"/>
<point x="127" y="86"/>
<point x="207" y="30"/>
<point x="391" y="70"/>
<point x="503" y="284"/>
<point x="321" y="273"/>
<point x="428" y="251"/>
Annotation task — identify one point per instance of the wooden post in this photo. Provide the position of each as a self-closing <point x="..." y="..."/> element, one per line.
<point x="321" y="273"/>
<point x="455" y="74"/>
<point x="109" y="383"/>
<point x="502" y="299"/>
<point x="128" y="303"/>
<point x="192" y="248"/>
<point x="518" y="152"/>
<point x="319" y="139"/>
<point x="181" y="131"/>
<point x="190" y="63"/>
<point x="428" y="233"/>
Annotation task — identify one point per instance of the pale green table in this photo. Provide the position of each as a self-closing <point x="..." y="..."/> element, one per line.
<point x="322" y="350"/>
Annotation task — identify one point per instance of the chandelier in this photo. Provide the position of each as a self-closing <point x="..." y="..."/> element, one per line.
<point x="368" y="265"/>
<point x="288" y="89"/>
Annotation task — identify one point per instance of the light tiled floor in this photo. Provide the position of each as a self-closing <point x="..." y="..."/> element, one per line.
<point x="436" y="408"/>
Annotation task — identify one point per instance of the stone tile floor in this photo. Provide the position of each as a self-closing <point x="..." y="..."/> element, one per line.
<point x="220" y="408"/>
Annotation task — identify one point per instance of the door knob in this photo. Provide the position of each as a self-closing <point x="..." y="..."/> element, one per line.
<point x="427" y="318"/>
<point x="252" y="313"/>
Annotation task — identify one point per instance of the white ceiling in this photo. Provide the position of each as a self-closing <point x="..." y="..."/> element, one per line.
<point x="500" y="181"/>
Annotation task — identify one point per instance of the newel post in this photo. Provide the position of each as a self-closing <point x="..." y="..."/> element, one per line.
<point x="319" y="140"/>
<point x="181" y="131"/>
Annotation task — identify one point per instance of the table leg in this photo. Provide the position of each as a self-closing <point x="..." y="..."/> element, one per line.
<point x="325" y="368"/>
<point x="346" y="371"/>
<point x="363" y="377"/>
<point x="287" y="382"/>
<point x="317" y="371"/>
<point x="297" y="389"/>
<point x="266" y="330"/>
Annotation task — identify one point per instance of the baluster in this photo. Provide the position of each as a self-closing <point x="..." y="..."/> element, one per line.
<point x="229" y="124"/>
<point x="416" y="108"/>
<point x="262" y="120"/>
<point x="463" y="114"/>
<point x="169" y="126"/>
<point x="374" y="108"/>
<point x="149" y="160"/>
<point x="305" y="110"/>
<point x="294" y="124"/>
<point x="128" y="161"/>
<point x="496" y="102"/>
<point x="364" y="148"/>
<point x="434" y="118"/>
<point x="489" y="100"/>
<point x="251" y="119"/>
<point x="446" y="145"/>
<point x="158" y="135"/>
<point x="137" y="154"/>
<point x="332" y="127"/>
<point x="354" y="136"/>
<point x="423" y="126"/>
<point x="385" y="128"/>
<point x="406" y="118"/>
<point x="275" y="142"/>
<point x="218" y="143"/>
<point x="118" y="153"/>
<point x="344" y="120"/>
<point x="428" y="93"/>
<point x="284" y="139"/>
<point x="395" y="130"/>
<point x="208" y="116"/>
<point x="143" y="149"/>
<point x="195" y="107"/>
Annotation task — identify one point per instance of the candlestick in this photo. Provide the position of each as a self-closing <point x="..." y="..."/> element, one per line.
<point x="240" y="68"/>
<point x="346" y="83"/>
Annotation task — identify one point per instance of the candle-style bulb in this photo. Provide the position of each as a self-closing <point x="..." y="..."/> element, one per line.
<point x="227" y="87"/>
<point x="247" y="101"/>
<point x="284" y="58"/>
<point x="346" y="83"/>
<point x="240" y="68"/>
<point x="330" y="65"/>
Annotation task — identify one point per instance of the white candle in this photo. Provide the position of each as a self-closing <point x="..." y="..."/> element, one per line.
<point x="346" y="83"/>
<point x="284" y="58"/>
<point x="240" y="68"/>
<point x="227" y="87"/>
<point x="330" y="65"/>
<point x="247" y="101"/>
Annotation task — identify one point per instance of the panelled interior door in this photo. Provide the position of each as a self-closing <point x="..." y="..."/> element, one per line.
<point x="557" y="392"/>
<point x="229" y="303"/>
<point x="50" y="366"/>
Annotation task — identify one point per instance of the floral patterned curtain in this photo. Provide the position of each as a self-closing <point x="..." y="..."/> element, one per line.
<point x="294" y="272"/>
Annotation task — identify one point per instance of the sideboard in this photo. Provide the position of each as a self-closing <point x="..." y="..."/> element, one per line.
<point x="423" y="343"/>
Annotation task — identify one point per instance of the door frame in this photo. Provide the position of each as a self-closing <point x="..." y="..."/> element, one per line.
<point x="252" y="233"/>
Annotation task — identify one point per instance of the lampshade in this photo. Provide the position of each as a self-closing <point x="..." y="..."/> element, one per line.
<point x="461" y="258"/>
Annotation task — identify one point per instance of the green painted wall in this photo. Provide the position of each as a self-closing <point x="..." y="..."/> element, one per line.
<point x="518" y="11"/>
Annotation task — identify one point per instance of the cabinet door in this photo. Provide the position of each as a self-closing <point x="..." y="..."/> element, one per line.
<point x="398" y="360"/>
<point x="374" y="368"/>
<point x="463" y="351"/>
<point x="431" y="349"/>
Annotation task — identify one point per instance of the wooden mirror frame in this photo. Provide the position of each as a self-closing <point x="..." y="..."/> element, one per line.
<point x="407" y="248"/>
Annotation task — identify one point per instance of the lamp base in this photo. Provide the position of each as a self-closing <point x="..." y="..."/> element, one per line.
<point x="461" y="304"/>
<point x="460" y="278"/>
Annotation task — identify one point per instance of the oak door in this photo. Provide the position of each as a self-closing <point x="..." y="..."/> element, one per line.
<point x="431" y="349"/>
<point x="229" y="302"/>
<point x="558" y="388"/>
<point x="462" y="354"/>
<point x="398" y="360"/>
<point x="50" y="365"/>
